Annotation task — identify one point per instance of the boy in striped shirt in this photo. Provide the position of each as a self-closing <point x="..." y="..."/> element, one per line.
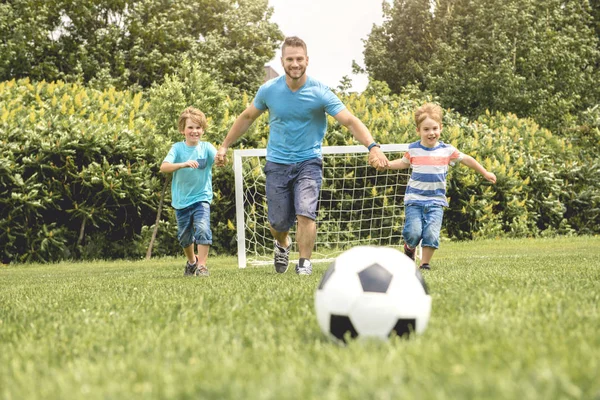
<point x="425" y="194"/>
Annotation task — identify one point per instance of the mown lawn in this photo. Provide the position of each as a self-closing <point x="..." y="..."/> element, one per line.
<point x="511" y="319"/>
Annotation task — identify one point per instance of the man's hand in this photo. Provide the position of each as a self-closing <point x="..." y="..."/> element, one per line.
<point x="221" y="157"/>
<point x="378" y="160"/>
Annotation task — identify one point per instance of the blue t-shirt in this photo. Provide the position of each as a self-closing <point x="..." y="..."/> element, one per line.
<point x="297" y="120"/>
<point x="191" y="185"/>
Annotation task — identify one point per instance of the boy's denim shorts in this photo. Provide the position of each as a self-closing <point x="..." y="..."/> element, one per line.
<point x="422" y="223"/>
<point x="193" y="224"/>
<point x="292" y="189"/>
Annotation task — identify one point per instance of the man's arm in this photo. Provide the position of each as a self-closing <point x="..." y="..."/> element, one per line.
<point x="239" y="127"/>
<point x="360" y="132"/>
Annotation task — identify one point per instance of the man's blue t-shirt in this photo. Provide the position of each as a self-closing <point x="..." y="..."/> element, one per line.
<point x="191" y="185"/>
<point x="297" y="120"/>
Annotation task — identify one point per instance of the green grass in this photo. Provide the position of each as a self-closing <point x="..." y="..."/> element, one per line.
<point x="511" y="319"/>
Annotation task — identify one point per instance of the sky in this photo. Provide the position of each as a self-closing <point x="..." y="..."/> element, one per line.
<point x="333" y="31"/>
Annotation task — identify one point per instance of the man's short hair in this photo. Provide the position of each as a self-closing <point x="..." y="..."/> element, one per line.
<point x="293" y="41"/>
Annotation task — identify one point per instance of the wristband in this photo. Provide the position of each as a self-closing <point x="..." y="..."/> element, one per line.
<point x="374" y="144"/>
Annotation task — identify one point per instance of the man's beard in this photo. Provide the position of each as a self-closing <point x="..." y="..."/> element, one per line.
<point x="301" y="75"/>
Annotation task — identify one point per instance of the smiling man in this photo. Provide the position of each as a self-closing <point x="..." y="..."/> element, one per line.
<point x="298" y="106"/>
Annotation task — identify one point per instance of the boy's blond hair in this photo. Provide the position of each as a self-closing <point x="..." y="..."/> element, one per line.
<point x="195" y="115"/>
<point x="430" y="110"/>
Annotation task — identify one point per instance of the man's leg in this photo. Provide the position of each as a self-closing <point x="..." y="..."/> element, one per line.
<point x="281" y="251"/>
<point x="306" y="202"/>
<point x="281" y="237"/>
<point x="306" y="235"/>
<point x="280" y="211"/>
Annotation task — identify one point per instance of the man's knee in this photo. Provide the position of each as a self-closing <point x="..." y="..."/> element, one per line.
<point x="280" y="224"/>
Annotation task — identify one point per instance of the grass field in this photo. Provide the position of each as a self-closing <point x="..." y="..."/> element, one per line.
<point x="511" y="319"/>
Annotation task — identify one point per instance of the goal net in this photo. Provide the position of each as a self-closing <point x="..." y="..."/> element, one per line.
<point x="358" y="205"/>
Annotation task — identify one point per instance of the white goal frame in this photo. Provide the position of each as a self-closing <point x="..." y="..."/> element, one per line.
<point x="238" y="156"/>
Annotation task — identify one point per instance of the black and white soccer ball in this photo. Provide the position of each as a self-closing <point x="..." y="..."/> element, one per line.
<point x="372" y="292"/>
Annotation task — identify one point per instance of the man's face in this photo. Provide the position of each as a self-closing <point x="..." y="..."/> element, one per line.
<point x="294" y="61"/>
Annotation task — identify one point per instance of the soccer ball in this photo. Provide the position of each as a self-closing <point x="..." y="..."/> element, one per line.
<point x="372" y="292"/>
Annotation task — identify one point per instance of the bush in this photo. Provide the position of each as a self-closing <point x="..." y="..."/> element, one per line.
<point x="79" y="168"/>
<point x="74" y="162"/>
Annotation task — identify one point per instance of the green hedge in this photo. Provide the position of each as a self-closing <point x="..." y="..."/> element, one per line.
<point x="79" y="168"/>
<point x="77" y="171"/>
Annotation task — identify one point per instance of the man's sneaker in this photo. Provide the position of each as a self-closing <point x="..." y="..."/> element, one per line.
<point x="282" y="257"/>
<point x="425" y="266"/>
<point x="201" y="271"/>
<point x="409" y="252"/>
<point x="306" y="268"/>
<point x="190" y="269"/>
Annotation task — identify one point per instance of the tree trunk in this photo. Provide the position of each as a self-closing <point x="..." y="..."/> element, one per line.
<point x="158" y="212"/>
<point x="81" y="231"/>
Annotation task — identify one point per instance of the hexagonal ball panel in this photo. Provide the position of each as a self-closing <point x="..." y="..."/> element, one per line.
<point x="375" y="278"/>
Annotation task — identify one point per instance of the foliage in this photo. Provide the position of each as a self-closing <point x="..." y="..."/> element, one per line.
<point x="399" y="50"/>
<point x="135" y="43"/>
<point x="74" y="162"/>
<point x="189" y="86"/>
<point x="534" y="59"/>
<point x="79" y="167"/>
<point x="545" y="183"/>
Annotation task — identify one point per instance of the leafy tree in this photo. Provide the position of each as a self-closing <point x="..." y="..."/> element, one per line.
<point x="398" y="51"/>
<point x="595" y="7"/>
<point x="535" y="59"/>
<point x="134" y="43"/>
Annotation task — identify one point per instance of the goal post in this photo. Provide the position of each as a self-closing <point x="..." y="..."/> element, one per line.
<point x="358" y="205"/>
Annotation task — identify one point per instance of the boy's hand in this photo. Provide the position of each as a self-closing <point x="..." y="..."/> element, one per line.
<point x="490" y="176"/>
<point x="190" y="164"/>
<point x="221" y="157"/>
<point x="378" y="160"/>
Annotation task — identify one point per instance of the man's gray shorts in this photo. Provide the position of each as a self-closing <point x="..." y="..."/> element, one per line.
<point x="292" y="189"/>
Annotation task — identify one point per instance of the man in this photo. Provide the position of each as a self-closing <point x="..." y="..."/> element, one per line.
<point x="297" y="106"/>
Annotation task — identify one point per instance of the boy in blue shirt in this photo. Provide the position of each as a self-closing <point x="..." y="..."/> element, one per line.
<point x="191" y="162"/>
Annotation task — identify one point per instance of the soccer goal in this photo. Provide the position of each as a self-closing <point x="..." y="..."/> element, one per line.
<point x="357" y="206"/>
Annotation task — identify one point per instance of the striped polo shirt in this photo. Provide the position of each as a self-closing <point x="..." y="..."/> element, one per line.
<point x="427" y="183"/>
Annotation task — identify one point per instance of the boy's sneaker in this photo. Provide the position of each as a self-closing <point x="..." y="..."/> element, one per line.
<point x="425" y="266"/>
<point x="306" y="268"/>
<point x="282" y="257"/>
<point x="409" y="252"/>
<point x="190" y="269"/>
<point x="201" y="271"/>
